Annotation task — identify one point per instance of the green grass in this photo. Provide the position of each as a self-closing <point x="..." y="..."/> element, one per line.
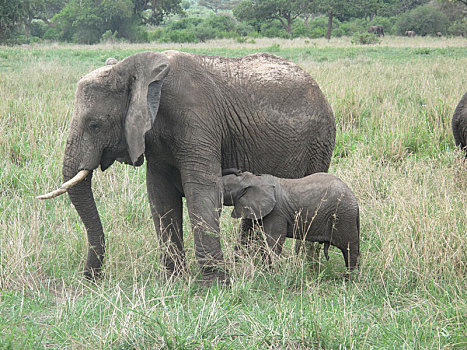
<point x="393" y="105"/>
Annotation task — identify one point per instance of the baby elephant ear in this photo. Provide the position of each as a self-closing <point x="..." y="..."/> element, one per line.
<point x="145" y="72"/>
<point x="258" y="201"/>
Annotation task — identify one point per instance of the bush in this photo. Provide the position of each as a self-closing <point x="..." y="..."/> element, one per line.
<point x="244" y="29"/>
<point x="109" y="37"/>
<point x="274" y="30"/>
<point x="184" y="23"/>
<point x="223" y="23"/>
<point x="180" y="36"/>
<point x="51" y="34"/>
<point x="424" y="20"/>
<point x="365" y="38"/>
<point x="299" y="30"/>
<point x="318" y="32"/>
<point x="458" y="28"/>
<point x="156" y="34"/>
<point x="204" y="32"/>
<point x="38" y="28"/>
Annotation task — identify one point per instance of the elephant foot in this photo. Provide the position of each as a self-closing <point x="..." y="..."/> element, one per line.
<point x="93" y="275"/>
<point x="171" y="274"/>
<point x="214" y="275"/>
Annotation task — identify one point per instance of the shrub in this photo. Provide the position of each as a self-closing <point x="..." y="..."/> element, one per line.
<point x="244" y="29"/>
<point x="354" y="25"/>
<point x="318" y="32"/>
<point x="156" y="34"/>
<point x="223" y="23"/>
<point x="38" y="28"/>
<point x="51" y="34"/>
<point x="299" y="30"/>
<point x="337" y="32"/>
<point x="180" y="36"/>
<point x="274" y="30"/>
<point x="109" y="37"/>
<point x="365" y="38"/>
<point x="458" y="28"/>
<point x="424" y="20"/>
<point x="204" y="32"/>
<point x="184" y="23"/>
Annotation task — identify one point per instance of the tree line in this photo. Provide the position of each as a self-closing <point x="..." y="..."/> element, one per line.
<point x="91" y="21"/>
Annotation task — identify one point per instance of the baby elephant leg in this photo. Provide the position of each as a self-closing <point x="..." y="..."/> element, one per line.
<point x="274" y="232"/>
<point x="351" y="253"/>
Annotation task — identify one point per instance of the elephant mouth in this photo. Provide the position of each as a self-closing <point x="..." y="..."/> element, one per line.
<point x="108" y="160"/>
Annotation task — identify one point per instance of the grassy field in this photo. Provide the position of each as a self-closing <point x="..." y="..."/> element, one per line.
<point x="393" y="105"/>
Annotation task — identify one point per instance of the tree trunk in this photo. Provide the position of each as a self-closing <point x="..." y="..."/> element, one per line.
<point x="330" y="17"/>
<point x="307" y="17"/>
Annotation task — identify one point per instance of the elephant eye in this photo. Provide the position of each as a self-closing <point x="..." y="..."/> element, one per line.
<point x="94" y="126"/>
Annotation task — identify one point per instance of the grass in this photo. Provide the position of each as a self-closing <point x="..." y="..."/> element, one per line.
<point x="393" y="105"/>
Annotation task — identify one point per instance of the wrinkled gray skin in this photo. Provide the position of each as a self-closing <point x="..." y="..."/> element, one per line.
<point x="459" y="124"/>
<point x="410" y="33"/>
<point x="378" y="30"/>
<point x="190" y="116"/>
<point x="317" y="208"/>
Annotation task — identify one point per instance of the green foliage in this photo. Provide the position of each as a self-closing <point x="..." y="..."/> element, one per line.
<point x="458" y="28"/>
<point x="424" y="20"/>
<point x="12" y="14"/>
<point x="194" y="29"/>
<point x="365" y="38"/>
<point x="82" y="21"/>
<point x="284" y="11"/>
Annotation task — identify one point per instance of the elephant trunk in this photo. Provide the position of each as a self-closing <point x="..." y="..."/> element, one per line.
<point x="83" y="200"/>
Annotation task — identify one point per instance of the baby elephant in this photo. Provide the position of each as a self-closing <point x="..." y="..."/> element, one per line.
<point x="318" y="208"/>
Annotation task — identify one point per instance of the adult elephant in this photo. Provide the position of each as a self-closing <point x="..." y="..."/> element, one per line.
<point x="410" y="33"/>
<point x="378" y="30"/>
<point x="191" y="116"/>
<point x="459" y="124"/>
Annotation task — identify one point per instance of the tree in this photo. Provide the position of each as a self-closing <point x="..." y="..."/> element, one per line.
<point x="216" y="5"/>
<point x="43" y="10"/>
<point x="85" y="21"/>
<point x="154" y="11"/>
<point x="285" y="11"/>
<point x="396" y="7"/>
<point x="424" y="20"/>
<point x="338" y="8"/>
<point x="12" y="14"/>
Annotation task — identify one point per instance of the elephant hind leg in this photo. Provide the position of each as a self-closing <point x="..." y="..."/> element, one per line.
<point x="351" y="253"/>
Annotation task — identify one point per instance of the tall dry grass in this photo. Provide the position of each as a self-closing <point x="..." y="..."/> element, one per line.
<point x="394" y="149"/>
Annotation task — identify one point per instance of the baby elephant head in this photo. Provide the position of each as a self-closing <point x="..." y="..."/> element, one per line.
<point x="253" y="197"/>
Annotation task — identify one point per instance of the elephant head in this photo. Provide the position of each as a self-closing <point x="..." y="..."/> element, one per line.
<point x="114" y="107"/>
<point x="253" y="197"/>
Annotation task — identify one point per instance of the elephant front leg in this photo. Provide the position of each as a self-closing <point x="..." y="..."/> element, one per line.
<point x="274" y="231"/>
<point x="166" y="208"/>
<point x="204" y="206"/>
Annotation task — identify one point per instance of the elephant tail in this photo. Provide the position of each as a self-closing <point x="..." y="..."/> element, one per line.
<point x="326" y="248"/>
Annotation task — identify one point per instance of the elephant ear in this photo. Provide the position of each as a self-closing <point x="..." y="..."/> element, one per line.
<point x="257" y="200"/>
<point x="145" y="72"/>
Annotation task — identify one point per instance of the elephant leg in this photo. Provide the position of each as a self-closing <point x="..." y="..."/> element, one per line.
<point x="204" y="205"/>
<point x="246" y="233"/>
<point x="166" y="208"/>
<point x="351" y="253"/>
<point x="274" y="230"/>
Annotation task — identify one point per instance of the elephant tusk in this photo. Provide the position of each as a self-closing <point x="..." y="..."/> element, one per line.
<point x="67" y="185"/>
